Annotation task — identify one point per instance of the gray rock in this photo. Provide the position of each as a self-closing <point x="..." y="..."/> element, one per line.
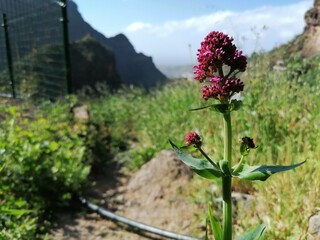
<point x="314" y="227"/>
<point x="81" y="113"/>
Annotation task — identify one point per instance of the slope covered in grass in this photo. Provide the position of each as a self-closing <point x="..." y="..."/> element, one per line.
<point x="280" y="112"/>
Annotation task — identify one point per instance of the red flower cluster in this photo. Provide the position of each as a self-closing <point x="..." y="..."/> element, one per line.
<point x="217" y="50"/>
<point x="222" y="88"/>
<point x="194" y="139"/>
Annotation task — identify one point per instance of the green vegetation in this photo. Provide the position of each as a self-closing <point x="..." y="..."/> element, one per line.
<point x="43" y="152"/>
<point x="284" y="125"/>
<point x="46" y="155"/>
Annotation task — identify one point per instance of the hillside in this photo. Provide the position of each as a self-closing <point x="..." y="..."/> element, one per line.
<point x="92" y="64"/>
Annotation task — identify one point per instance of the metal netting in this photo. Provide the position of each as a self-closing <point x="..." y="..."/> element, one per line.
<point x="32" y="51"/>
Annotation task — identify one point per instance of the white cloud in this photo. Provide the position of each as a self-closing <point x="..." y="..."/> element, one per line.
<point x="253" y="30"/>
<point x="201" y="24"/>
<point x="138" y="26"/>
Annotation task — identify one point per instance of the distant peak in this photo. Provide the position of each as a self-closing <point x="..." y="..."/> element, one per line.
<point x="71" y="2"/>
<point x="121" y="36"/>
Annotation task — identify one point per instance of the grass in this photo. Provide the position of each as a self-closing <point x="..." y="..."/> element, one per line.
<point x="281" y="113"/>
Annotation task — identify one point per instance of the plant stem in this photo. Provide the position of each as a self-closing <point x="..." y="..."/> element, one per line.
<point x="226" y="181"/>
<point x="239" y="164"/>
<point x="209" y="159"/>
<point x="227" y="138"/>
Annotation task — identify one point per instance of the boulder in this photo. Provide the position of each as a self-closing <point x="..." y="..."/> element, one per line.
<point x="311" y="44"/>
<point x="314" y="227"/>
<point x="158" y="195"/>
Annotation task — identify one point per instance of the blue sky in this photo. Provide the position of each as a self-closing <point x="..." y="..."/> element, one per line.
<point x="170" y="31"/>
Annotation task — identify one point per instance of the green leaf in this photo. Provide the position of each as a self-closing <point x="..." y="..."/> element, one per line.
<point x="224" y="166"/>
<point x="53" y="146"/>
<point x="199" y="166"/>
<point x="222" y="108"/>
<point x="15" y="212"/>
<point x="262" y="172"/>
<point x="201" y="108"/>
<point x="205" y="173"/>
<point x="12" y="111"/>
<point x="215" y="225"/>
<point x="235" y="105"/>
<point x="254" y="234"/>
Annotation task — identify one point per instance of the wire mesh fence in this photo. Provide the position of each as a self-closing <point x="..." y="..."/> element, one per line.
<point x="32" y="49"/>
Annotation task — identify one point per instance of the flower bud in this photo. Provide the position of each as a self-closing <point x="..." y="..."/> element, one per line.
<point x="194" y="139"/>
<point x="246" y="144"/>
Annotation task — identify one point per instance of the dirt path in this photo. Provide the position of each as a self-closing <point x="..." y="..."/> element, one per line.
<point x="155" y="195"/>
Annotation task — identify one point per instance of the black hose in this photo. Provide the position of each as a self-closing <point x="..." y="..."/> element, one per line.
<point x="141" y="226"/>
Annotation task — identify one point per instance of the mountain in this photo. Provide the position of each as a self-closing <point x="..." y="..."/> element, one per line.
<point x="92" y="64"/>
<point x="134" y="68"/>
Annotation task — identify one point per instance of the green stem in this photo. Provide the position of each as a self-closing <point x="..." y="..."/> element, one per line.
<point x="239" y="164"/>
<point x="209" y="159"/>
<point x="227" y="138"/>
<point x="226" y="181"/>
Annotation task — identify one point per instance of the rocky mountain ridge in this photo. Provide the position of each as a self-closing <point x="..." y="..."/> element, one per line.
<point x="311" y="44"/>
<point x="134" y="68"/>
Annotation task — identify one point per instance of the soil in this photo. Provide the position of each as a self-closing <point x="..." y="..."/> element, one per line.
<point x="155" y="195"/>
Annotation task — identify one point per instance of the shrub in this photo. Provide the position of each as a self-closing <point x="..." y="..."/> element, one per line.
<point x="43" y="163"/>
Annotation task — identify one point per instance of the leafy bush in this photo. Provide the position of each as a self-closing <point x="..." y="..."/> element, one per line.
<point x="43" y="163"/>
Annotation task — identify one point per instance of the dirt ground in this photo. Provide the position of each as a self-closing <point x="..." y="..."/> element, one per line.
<point x="155" y="195"/>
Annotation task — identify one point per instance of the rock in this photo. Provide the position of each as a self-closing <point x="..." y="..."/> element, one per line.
<point x="241" y="201"/>
<point x="163" y="169"/>
<point x="279" y="66"/>
<point x="156" y="195"/>
<point x="311" y="45"/>
<point x="314" y="227"/>
<point x="81" y="113"/>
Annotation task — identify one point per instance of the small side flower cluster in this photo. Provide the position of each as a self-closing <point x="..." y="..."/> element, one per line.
<point x="193" y="138"/>
<point x="247" y="143"/>
<point x="216" y="51"/>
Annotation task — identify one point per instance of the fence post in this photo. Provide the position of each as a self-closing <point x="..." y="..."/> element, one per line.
<point x="64" y="20"/>
<point x="9" y="57"/>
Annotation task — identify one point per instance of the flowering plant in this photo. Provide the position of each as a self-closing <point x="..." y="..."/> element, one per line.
<point x="219" y="63"/>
